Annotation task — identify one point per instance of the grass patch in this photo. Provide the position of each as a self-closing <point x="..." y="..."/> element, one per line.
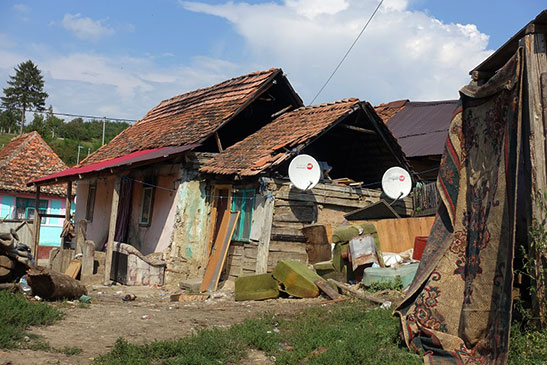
<point x="352" y="333"/>
<point x="17" y="314"/>
<point x="527" y="346"/>
<point x="396" y="284"/>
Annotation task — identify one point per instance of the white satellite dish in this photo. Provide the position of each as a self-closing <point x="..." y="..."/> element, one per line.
<point x="304" y="172"/>
<point x="396" y="183"/>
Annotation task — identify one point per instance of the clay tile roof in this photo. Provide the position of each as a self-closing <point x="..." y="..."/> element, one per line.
<point x="388" y="110"/>
<point x="25" y="158"/>
<point x="269" y="146"/>
<point x="188" y="118"/>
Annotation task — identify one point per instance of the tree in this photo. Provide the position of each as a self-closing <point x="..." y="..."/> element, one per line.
<point x="26" y="90"/>
<point x="8" y="121"/>
<point x="53" y="123"/>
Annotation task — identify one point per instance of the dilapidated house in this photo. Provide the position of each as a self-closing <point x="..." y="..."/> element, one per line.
<point x="142" y="187"/>
<point x="251" y="176"/>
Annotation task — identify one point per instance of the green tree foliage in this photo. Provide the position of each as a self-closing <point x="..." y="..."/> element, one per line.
<point x="65" y="137"/>
<point x="26" y="90"/>
<point x="8" y="121"/>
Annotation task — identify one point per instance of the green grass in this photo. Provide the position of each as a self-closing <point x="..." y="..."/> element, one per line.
<point x="17" y="314"/>
<point x="5" y="138"/>
<point x="528" y="346"/>
<point x="343" y="333"/>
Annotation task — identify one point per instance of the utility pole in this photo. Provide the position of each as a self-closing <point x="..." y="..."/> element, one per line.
<point x="78" y="158"/>
<point x="104" y="122"/>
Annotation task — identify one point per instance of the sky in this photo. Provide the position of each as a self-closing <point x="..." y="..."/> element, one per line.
<point x="121" y="58"/>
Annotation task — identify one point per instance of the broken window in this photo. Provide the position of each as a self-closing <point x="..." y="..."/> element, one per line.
<point x="243" y="201"/>
<point x="90" y="206"/>
<point x="146" y="206"/>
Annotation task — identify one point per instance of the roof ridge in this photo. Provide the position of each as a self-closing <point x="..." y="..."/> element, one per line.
<point x="255" y="73"/>
<point x="22" y="144"/>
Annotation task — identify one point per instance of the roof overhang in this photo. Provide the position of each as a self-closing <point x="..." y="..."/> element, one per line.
<point x="496" y="60"/>
<point x="132" y="159"/>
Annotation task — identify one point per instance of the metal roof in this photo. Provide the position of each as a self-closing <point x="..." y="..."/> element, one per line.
<point x="421" y="127"/>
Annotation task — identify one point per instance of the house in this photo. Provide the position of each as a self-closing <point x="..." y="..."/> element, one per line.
<point x="421" y="129"/>
<point x="25" y="158"/>
<point x="251" y="176"/>
<point x="143" y="187"/>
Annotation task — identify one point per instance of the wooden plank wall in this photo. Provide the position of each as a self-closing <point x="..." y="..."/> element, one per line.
<point x="397" y="235"/>
<point x="293" y="210"/>
<point x="324" y="204"/>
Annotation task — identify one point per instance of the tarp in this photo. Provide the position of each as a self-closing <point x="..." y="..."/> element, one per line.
<point x="458" y="308"/>
<point x="125" y="160"/>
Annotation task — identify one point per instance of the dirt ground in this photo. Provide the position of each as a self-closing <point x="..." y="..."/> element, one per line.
<point x="151" y="316"/>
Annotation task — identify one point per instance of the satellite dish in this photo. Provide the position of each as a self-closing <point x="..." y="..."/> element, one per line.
<point x="396" y="183"/>
<point x="304" y="172"/>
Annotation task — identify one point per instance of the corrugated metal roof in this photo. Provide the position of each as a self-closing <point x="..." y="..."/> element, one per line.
<point x="421" y="127"/>
<point x="125" y="160"/>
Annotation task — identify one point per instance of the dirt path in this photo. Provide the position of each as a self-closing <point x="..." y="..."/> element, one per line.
<point x="96" y="328"/>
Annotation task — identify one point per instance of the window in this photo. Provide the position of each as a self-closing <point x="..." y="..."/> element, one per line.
<point x="146" y="207"/>
<point x="24" y="208"/>
<point x="243" y="201"/>
<point x="90" y="207"/>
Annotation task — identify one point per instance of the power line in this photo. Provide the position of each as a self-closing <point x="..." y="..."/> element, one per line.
<point x="76" y="115"/>
<point x="347" y="53"/>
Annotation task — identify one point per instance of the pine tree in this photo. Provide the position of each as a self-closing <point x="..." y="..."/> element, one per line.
<point x="26" y="90"/>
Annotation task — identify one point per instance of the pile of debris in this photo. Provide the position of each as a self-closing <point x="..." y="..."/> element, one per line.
<point x="15" y="257"/>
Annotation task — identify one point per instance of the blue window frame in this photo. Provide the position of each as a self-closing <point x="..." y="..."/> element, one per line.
<point x="243" y="201"/>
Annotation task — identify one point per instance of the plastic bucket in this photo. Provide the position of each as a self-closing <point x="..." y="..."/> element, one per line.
<point x="419" y="246"/>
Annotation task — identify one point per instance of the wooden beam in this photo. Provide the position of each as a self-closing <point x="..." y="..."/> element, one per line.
<point x="219" y="145"/>
<point x="358" y="129"/>
<point x="265" y="236"/>
<point x="68" y="203"/>
<point x="535" y="55"/>
<point x="37" y="222"/>
<point x="112" y="229"/>
<point x="278" y="113"/>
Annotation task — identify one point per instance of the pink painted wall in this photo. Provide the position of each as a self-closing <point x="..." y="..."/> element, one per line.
<point x="157" y="236"/>
<point x="97" y="229"/>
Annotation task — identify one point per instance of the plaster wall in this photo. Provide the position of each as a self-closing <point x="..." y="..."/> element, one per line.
<point x="155" y="237"/>
<point x="97" y="228"/>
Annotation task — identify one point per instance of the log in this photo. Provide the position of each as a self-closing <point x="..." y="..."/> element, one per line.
<point x="347" y="289"/>
<point x="50" y="284"/>
<point x="328" y="289"/>
<point x="8" y="286"/>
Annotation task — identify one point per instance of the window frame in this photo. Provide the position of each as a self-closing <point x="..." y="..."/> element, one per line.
<point x="148" y="221"/>
<point x="29" y="208"/>
<point x="245" y="198"/>
<point x="90" y="204"/>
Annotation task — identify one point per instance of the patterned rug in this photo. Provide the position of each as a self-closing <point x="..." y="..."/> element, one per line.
<point x="458" y="308"/>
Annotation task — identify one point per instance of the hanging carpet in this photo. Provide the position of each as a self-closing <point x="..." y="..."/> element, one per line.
<point x="458" y="308"/>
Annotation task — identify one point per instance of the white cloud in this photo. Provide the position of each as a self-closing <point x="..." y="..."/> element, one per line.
<point x="402" y="54"/>
<point x="86" y="28"/>
<point x="21" y="7"/>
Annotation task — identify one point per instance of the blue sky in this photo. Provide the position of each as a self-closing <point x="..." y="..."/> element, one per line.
<point x="121" y="58"/>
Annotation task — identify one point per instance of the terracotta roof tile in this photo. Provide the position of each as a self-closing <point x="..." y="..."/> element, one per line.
<point x="25" y="158"/>
<point x="268" y="146"/>
<point x="387" y="110"/>
<point x="187" y="118"/>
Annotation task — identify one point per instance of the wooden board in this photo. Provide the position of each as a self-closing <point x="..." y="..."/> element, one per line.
<point x="397" y="235"/>
<point x="73" y="268"/>
<point x="220" y="249"/>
